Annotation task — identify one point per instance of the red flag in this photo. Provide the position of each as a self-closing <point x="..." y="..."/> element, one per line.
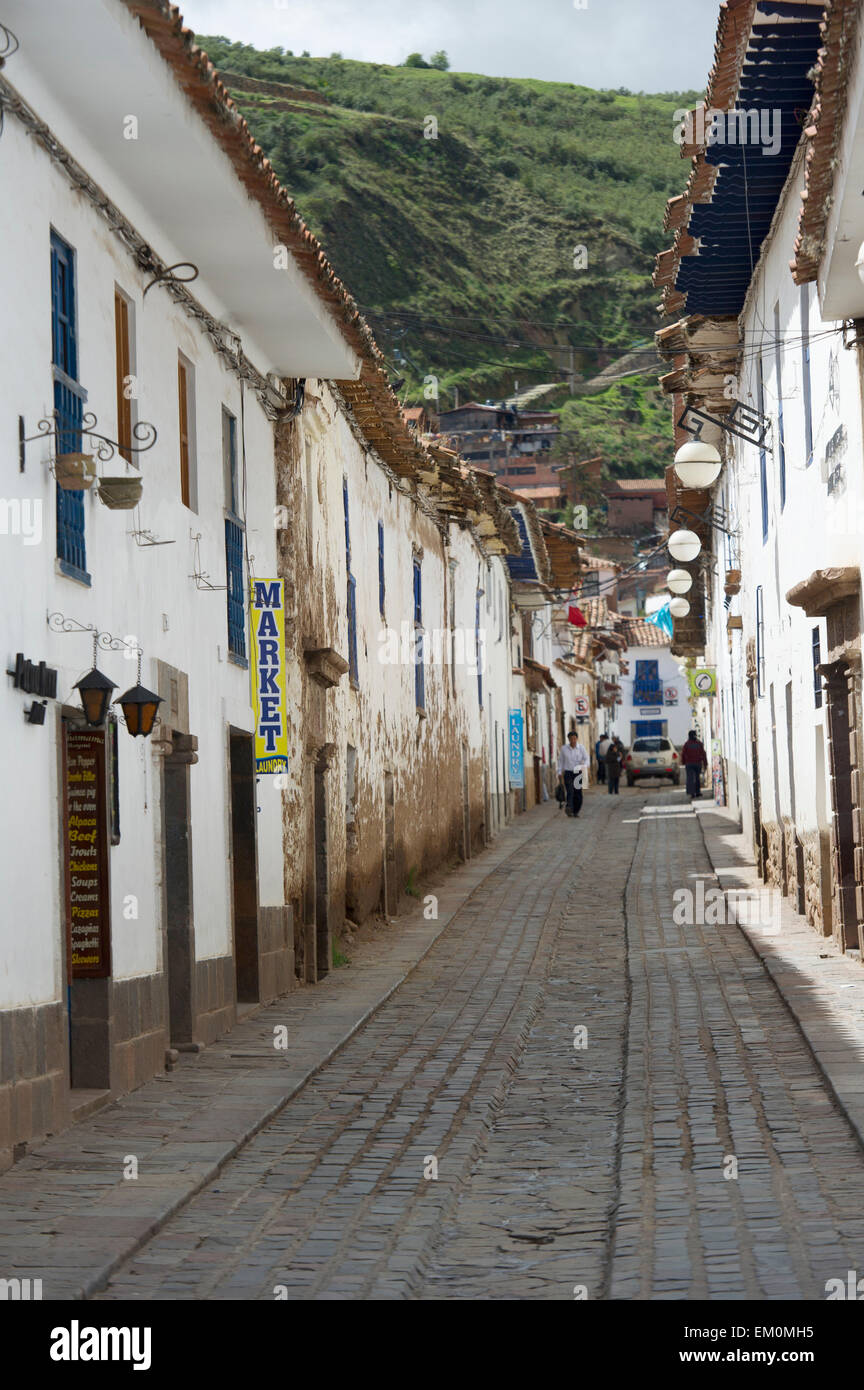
<point x="576" y="616"/>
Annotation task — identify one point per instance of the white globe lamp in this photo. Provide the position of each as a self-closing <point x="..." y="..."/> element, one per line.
<point x="684" y="546"/>
<point x="679" y="607"/>
<point x="679" y="581"/>
<point x="698" y="464"/>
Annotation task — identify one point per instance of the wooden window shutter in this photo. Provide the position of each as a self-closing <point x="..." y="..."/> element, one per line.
<point x="184" y="434"/>
<point x="123" y="358"/>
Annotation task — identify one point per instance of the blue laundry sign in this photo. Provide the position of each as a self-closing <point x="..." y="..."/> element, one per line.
<point x="517" y="743"/>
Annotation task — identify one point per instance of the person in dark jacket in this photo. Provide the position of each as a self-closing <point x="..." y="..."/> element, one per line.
<point x="599" y="754"/>
<point x="694" y="758"/>
<point x="614" y="759"/>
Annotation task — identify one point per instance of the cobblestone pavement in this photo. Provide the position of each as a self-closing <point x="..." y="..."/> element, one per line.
<point x="722" y="1167"/>
<point x="331" y="1200"/>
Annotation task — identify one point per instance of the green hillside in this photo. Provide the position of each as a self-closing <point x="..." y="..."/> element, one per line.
<point x="462" y="250"/>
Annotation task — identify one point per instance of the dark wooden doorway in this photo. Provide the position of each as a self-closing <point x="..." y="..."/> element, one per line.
<point x="843" y="838"/>
<point x="391" y="889"/>
<point x="758" y="837"/>
<point x="179" y="918"/>
<point x="87" y="905"/>
<point x="244" y="867"/>
<point x="323" y="945"/>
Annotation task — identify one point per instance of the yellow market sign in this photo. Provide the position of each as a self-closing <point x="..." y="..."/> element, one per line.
<point x="703" y="681"/>
<point x="267" y="622"/>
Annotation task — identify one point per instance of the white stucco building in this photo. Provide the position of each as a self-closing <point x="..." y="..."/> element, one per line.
<point x="770" y="352"/>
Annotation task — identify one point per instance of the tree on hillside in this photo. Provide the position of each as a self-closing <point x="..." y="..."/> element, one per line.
<point x="440" y="61"/>
<point x="415" y="60"/>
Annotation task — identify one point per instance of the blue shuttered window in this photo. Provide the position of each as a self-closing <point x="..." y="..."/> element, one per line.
<point x="69" y="398"/>
<point x="235" y="539"/>
<point x="763" y="456"/>
<point x="419" y="669"/>
<point x="778" y="384"/>
<point x="381" y="588"/>
<point x="353" y="668"/>
<point x="805" y="372"/>
<point x="647" y="687"/>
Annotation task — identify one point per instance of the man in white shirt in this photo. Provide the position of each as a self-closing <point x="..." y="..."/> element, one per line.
<point x="572" y="759"/>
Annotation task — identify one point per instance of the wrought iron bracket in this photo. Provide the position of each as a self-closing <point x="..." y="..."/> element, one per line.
<point x="742" y="421"/>
<point x="201" y="576"/>
<point x="168" y="277"/>
<point x="144" y="538"/>
<point x="106" y="641"/>
<point x="105" y="448"/>
<point x="705" y="518"/>
<point x="8" y="44"/>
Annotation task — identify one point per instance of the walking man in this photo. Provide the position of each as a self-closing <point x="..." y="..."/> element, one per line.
<point x="572" y="759"/>
<point x="614" y="759"/>
<point x="694" y="758"/>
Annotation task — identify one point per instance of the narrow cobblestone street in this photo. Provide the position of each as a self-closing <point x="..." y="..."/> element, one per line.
<point x="556" y="1093"/>
<point x="562" y="1171"/>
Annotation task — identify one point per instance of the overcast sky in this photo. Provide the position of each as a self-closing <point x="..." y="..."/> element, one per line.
<point x="646" y="45"/>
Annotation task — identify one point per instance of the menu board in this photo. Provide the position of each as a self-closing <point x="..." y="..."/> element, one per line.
<point x="86" y="844"/>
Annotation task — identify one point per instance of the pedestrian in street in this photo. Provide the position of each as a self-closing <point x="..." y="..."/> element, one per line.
<point x="694" y="758"/>
<point x="572" y="760"/>
<point x="614" y="760"/>
<point x="600" y="753"/>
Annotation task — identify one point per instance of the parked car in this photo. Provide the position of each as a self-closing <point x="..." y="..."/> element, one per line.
<point x="652" y="757"/>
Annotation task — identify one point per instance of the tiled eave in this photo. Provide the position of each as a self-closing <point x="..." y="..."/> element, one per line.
<point x="823" y="133"/>
<point x="764" y="52"/>
<point x="706" y="352"/>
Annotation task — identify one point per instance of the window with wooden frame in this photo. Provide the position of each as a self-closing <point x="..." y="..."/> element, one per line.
<point x="123" y="367"/>
<point x="185" y="397"/>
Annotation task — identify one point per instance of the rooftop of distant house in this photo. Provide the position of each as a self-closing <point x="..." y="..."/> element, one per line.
<point x="635" y="487"/>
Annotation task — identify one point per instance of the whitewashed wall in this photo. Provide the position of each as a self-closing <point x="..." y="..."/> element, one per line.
<point x="678" y="716"/>
<point x="816" y="528"/>
<point x="146" y="593"/>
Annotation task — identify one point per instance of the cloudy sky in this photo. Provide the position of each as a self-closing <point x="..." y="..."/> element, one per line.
<point x="646" y="45"/>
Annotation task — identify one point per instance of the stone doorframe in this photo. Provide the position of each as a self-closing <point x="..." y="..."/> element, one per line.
<point x="835" y="594"/>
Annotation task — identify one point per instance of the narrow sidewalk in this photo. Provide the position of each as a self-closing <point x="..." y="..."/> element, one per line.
<point x="73" y="1209"/>
<point x="823" y="989"/>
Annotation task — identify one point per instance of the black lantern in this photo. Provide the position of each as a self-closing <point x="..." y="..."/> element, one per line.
<point x="139" y="710"/>
<point x="95" y="691"/>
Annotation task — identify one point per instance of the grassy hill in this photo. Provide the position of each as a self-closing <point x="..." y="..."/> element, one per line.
<point x="462" y="249"/>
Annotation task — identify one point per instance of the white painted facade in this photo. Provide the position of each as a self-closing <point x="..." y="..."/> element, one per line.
<point x="387" y="778"/>
<point x="138" y="593"/>
<point x="675" y="709"/>
<point x="820" y="524"/>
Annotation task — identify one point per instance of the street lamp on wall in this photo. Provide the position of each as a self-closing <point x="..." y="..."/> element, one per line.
<point x="139" y="707"/>
<point x="679" y="607"/>
<point x="679" y="581"/>
<point x="95" y="691"/>
<point x="698" y="464"/>
<point x="684" y="546"/>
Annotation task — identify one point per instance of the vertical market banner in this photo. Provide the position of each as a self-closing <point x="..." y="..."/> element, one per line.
<point x="517" y="744"/>
<point x="267" y="623"/>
